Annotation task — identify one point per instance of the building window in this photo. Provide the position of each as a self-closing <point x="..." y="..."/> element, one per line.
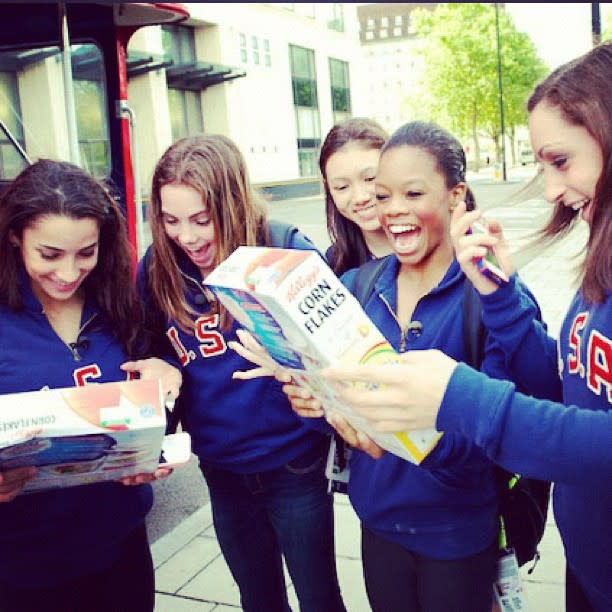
<point x="24" y="121"/>
<point x="370" y="23"/>
<point x="255" y="46"/>
<point x="179" y="43"/>
<point x="384" y="22"/>
<point x="369" y="35"/>
<point x="184" y="105"/>
<point x="267" y="55"/>
<point x="398" y="20"/>
<point x="397" y="31"/>
<point x="90" y="107"/>
<point x="335" y="20"/>
<point x="384" y="33"/>
<point x="243" y="49"/>
<point x="185" y="113"/>
<point x="305" y="100"/>
<point x="340" y="89"/>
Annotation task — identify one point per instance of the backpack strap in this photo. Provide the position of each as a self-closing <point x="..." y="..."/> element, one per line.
<point x="474" y="332"/>
<point x="366" y="277"/>
<point x="281" y="233"/>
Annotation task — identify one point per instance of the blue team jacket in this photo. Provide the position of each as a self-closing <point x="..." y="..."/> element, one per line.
<point x="571" y="444"/>
<point x="58" y="535"/>
<point x="244" y="426"/>
<point x="446" y="507"/>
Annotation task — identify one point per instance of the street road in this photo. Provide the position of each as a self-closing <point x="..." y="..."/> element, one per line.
<point x="185" y="491"/>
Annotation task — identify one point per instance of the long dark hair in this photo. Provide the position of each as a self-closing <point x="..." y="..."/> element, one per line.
<point x="213" y="165"/>
<point x="442" y="146"/>
<point x="349" y="249"/>
<point x="580" y="90"/>
<point x="50" y="187"/>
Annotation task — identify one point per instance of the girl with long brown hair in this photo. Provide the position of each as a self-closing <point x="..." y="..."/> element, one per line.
<point x="348" y="161"/>
<point x="69" y="315"/>
<point x="263" y="465"/>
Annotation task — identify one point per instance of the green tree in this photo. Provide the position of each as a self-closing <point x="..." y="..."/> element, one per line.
<point x="458" y="45"/>
<point x="606" y="33"/>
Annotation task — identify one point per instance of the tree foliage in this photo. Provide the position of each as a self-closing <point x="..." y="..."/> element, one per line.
<point x="459" y="83"/>
<point x="606" y="33"/>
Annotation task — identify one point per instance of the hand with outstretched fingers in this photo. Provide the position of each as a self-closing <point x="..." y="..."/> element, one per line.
<point x="248" y="348"/>
<point x="401" y="396"/>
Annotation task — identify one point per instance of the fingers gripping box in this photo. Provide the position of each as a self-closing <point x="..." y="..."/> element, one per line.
<point x="80" y="435"/>
<point x="293" y="303"/>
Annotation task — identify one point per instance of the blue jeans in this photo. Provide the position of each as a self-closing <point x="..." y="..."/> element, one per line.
<point x="261" y="517"/>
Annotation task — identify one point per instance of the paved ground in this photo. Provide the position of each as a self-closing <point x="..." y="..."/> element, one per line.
<point x="191" y="574"/>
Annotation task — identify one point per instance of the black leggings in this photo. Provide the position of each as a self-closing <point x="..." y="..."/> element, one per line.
<point x="127" y="586"/>
<point x="397" y="579"/>
<point x="575" y="597"/>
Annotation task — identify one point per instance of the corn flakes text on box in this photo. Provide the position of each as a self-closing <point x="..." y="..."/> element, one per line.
<point x="81" y="435"/>
<point x="293" y="303"/>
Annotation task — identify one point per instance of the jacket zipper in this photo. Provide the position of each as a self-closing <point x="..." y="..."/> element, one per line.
<point x="403" y="332"/>
<point x="74" y="346"/>
<point x="197" y="284"/>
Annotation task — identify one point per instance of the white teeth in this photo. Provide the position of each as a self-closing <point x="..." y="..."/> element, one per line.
<point x="579" y="204"/>
<point x="400" y="229"/>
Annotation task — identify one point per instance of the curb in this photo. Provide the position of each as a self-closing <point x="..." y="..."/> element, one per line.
<point x="176" y="539"/>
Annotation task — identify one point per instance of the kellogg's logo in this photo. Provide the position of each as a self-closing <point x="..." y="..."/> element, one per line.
<point x="307" y="280"/>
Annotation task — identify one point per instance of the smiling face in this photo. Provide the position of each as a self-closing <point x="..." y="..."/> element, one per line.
<point x="58" y="253"/>
<point x="414" y="205"/>
<point x="187" y="222"/>
<point x="350" y="174"/>
<point x="572" y="160"/>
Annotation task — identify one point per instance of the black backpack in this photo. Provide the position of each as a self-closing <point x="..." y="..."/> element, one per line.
<point x="281" y="234"/>
<point x="523" y="502"/>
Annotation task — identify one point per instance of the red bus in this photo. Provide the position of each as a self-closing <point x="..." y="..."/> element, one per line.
<point x="63" y="90"/>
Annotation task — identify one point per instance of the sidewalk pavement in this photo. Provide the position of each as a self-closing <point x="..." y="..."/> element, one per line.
<point x="191" y="574"/>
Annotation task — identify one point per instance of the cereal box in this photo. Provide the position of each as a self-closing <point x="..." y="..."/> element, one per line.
<point x="293" y="303"/>
<point x="80" y="435"/>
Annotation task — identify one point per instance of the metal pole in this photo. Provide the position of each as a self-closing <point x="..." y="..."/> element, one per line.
<point x="595" y="23"/>
<point x="73" y="141"/>
<point x="501" y="93"/>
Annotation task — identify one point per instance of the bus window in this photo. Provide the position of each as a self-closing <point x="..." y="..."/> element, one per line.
<point x="11" y="162"/>
<point x="33" y="109"/>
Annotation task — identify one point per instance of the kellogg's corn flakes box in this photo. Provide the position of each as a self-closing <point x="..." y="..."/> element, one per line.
<point x="298" y="309"/>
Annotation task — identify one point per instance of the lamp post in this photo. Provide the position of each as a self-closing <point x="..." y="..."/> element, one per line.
<point x="595" y="23"/>
<point x="501" y="94"/>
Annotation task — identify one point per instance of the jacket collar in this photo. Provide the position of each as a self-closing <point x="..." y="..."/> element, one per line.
<point x="387" y="286"/>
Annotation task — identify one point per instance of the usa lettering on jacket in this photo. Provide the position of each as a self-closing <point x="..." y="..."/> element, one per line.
<point x="598" y="370"/>
<point x="211" y="341"/>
